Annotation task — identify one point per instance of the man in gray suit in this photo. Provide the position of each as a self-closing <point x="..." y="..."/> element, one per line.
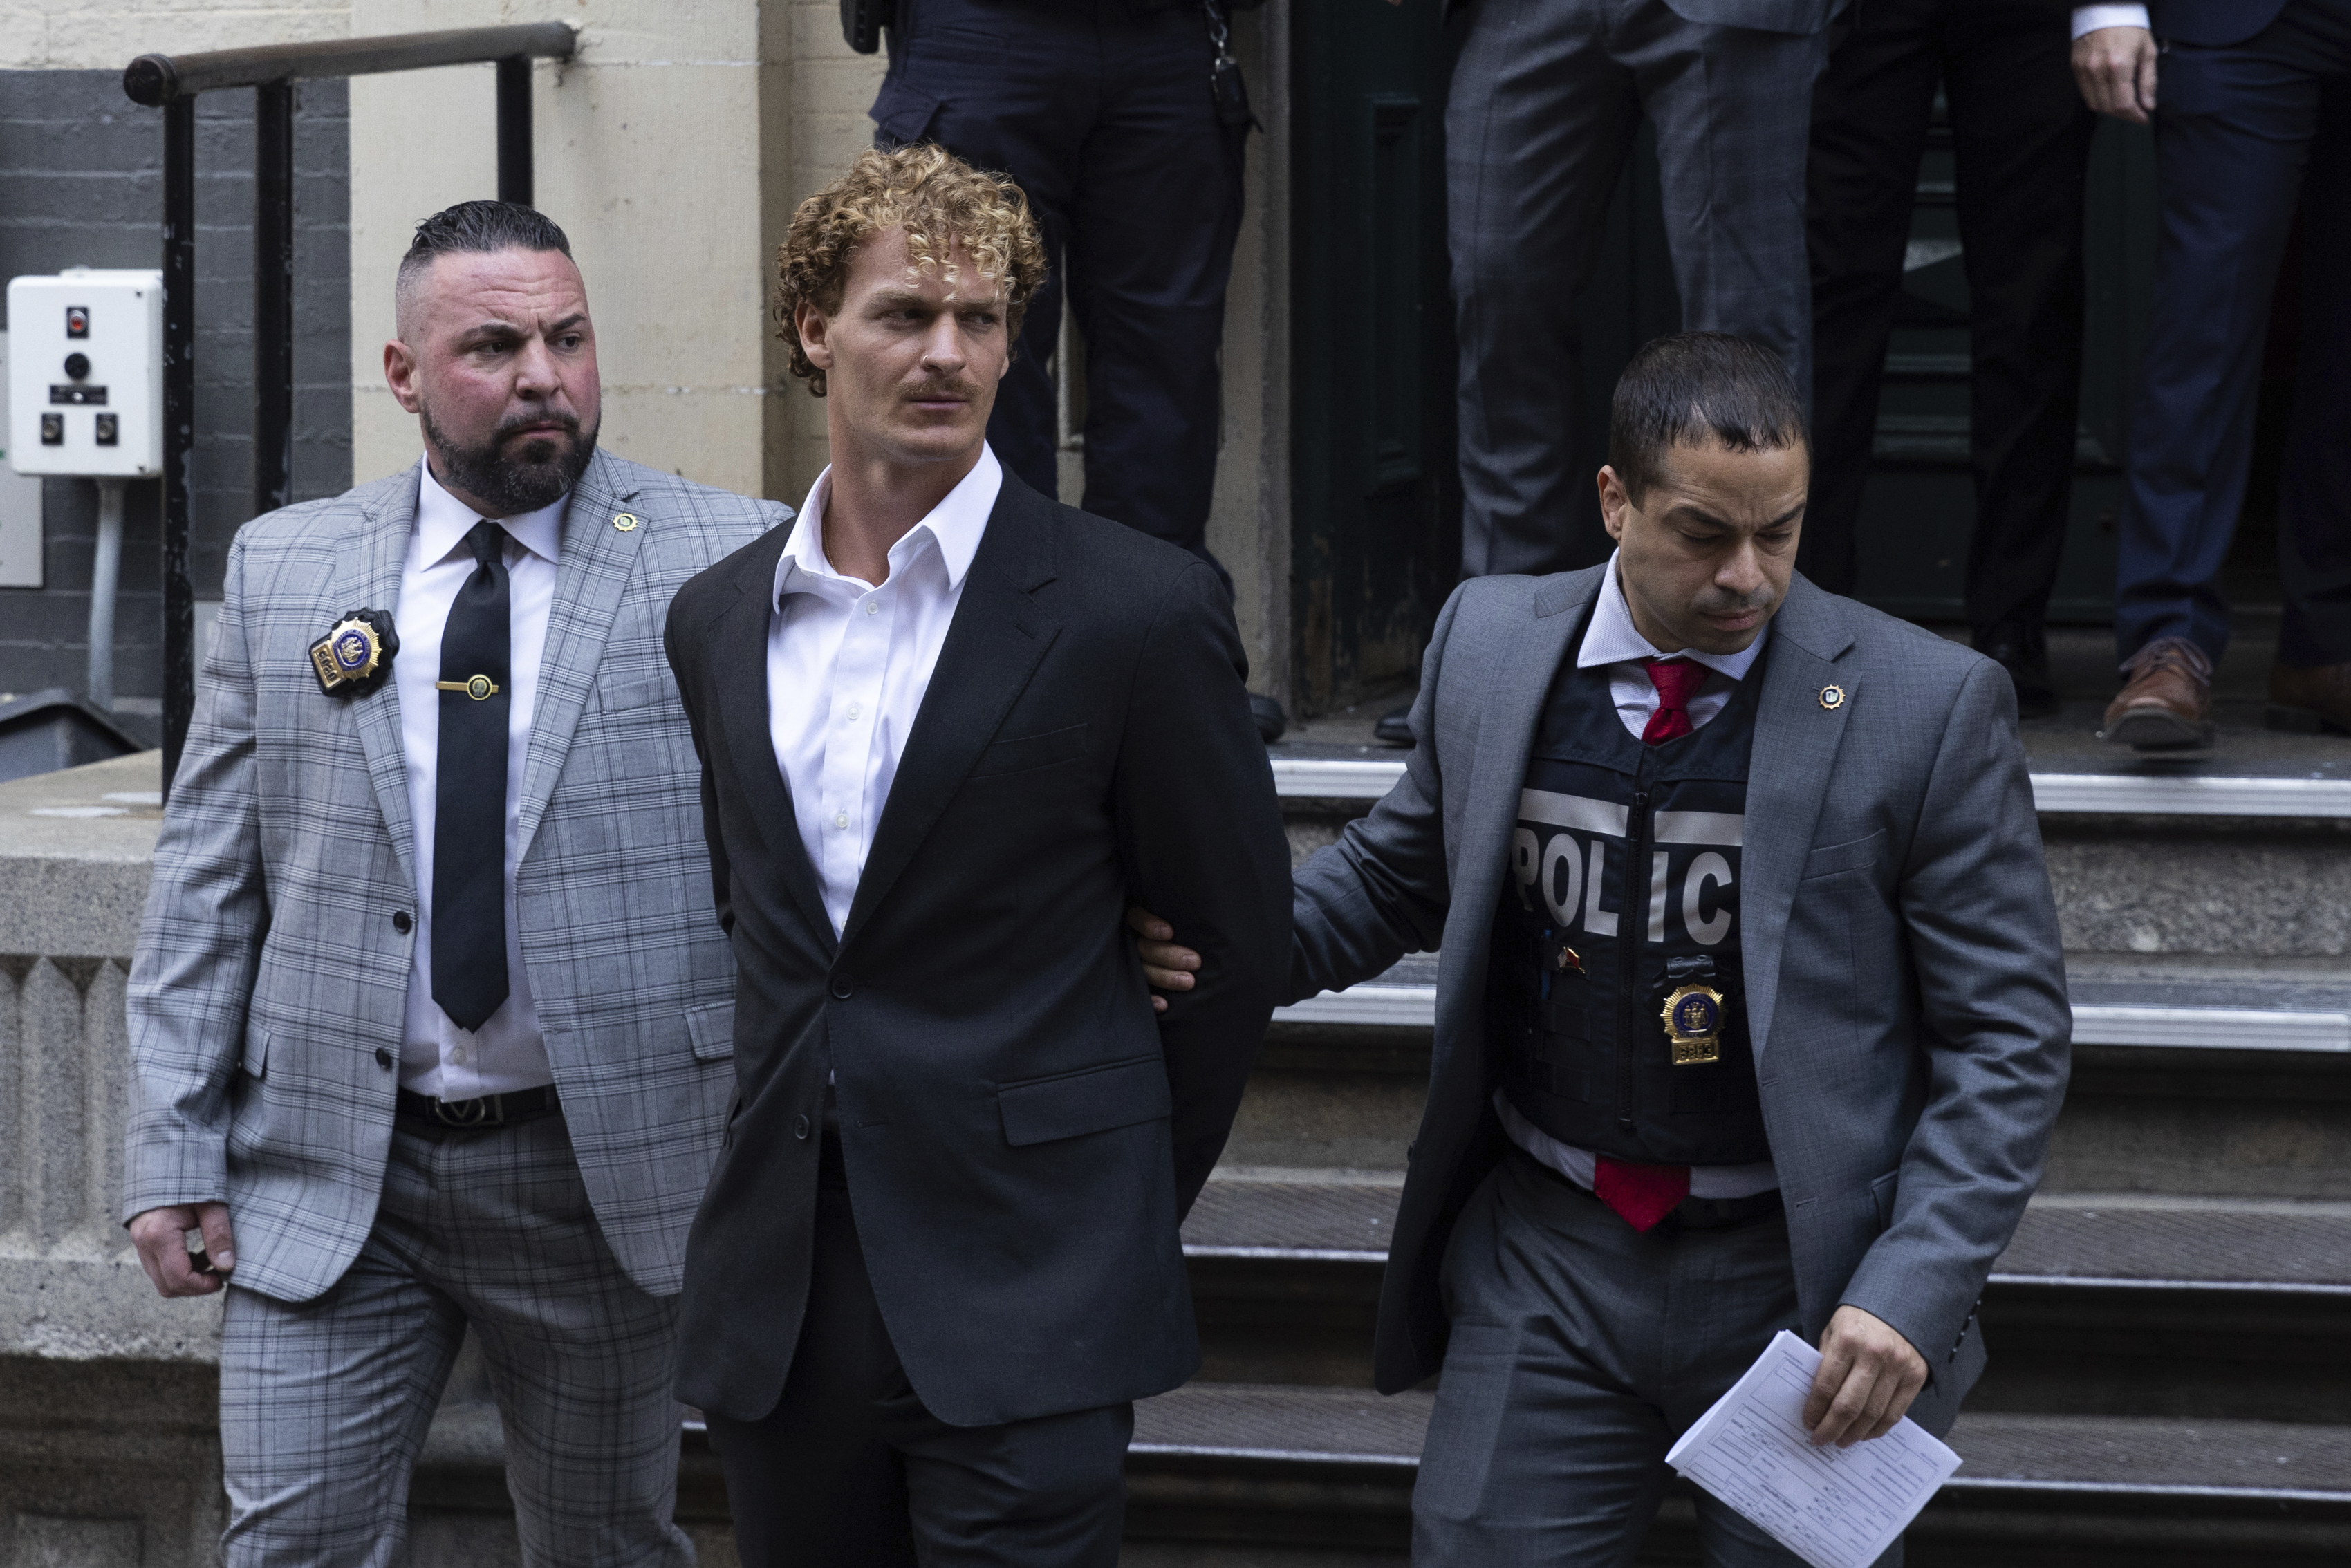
<point x="429" y="998"/>
<point x="1751" y="1012"/>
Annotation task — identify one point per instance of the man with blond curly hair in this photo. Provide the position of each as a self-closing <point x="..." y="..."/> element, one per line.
<point x="946" y="726"/>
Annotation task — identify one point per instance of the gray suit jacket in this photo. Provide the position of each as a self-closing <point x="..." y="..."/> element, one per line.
<point x="267" y="996"/>
<point x="1904" y="972"/>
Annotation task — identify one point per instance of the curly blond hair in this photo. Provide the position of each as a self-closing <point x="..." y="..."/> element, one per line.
<point x="940" y="200"/>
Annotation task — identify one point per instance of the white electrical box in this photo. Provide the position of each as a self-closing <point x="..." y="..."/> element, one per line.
<point x="20" y="505"/>
<point x="85" y="374"/>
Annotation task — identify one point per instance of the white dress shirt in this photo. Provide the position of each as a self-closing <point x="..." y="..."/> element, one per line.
<point x="848" y="662"/>
<point x="1611" y="640"/>
<point x="508" y="1053"/>
<point x="2090" y="18"/>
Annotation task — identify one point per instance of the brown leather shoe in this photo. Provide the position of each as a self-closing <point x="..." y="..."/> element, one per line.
<point x="2308" y="701"/>
<point x="2164" y="708"/>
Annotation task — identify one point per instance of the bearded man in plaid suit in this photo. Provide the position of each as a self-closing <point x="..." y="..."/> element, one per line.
<point x="432" y="1016"/>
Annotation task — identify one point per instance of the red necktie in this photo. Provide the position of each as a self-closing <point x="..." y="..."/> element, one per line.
<point x="1644" y="1195"/>
<point x="1678" y="681"/>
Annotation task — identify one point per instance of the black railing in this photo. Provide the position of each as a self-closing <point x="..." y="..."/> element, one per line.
<point x="170" y="82"/>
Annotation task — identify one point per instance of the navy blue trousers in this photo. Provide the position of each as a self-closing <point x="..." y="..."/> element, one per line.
<point x="2241" y="132"/>
<point x="1103" y="117"/>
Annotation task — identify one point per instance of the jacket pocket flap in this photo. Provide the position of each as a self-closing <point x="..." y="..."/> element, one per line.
<point x="1023" y="753"/>
<point x="1858" y="854"/>
<point x="711" y="1027"/>
<point x="1881" y="1197"/>
<point x="1092" y="1099"/>
<point x="903" y="113"/>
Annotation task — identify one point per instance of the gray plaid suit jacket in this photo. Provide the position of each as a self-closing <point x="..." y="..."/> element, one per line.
<point x="1906" y="983"/>
<point x="267" y="996"/>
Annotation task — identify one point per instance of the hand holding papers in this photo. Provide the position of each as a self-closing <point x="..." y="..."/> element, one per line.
<point x="1836" y="1508"/>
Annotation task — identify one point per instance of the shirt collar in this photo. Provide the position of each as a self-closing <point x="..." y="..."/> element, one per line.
<point x="953" y="527"/>
<point x="1611" y="639"/>
<point x="443" y="522"/>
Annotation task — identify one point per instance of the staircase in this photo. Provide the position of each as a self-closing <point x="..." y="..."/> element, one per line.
<point x="2170" y="1332"/>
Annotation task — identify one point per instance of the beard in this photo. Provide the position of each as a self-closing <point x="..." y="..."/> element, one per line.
<point x="537" y="473"/>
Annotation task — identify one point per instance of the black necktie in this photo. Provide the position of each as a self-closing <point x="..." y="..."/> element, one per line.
<point x="469" y="821"/>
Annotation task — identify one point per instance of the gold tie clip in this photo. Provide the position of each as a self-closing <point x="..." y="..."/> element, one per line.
<point x="481" y="688"/>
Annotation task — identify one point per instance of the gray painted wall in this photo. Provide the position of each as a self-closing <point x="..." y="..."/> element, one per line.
<point x="81" y="184"/>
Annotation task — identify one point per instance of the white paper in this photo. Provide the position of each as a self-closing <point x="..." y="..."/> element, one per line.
<point x="1836" y="1508"/>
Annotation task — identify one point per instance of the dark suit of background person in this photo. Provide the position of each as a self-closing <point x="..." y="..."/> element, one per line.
<point x="1100" y="111"/>
<point x="1538" y="123"/>
<point x="2250" y="118"/>
<point x="1901" y="974"/>
<point x="1017" y="1137"/>
<point x="2020" y="137"/>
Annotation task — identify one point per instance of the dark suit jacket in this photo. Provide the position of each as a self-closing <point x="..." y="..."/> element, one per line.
<point x="1903" y="972"/>
<point x="2211" y="22"/>
<point x="1021" y="1137"/>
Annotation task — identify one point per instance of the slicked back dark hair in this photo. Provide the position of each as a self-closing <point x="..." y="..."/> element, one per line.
<point x="1680" y="390"/>
<point x="481" y="227"/>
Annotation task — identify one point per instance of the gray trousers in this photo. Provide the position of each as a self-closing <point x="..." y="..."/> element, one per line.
<point x="1545" y="102"/>
<point x="325" y="1404"/>
<point x="1580" y="1349"/>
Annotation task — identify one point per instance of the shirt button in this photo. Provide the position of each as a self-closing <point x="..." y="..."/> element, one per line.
<point x="457" y="1055"/>
<point x="800" y="1127"/>
<point x="854" y="711"/>
<point x="383" y="1059"/>
<point x="873" y="606"/>
<point x="841" y="819"/>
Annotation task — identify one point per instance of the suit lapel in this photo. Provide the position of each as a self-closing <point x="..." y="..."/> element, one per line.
<point x="738" y="665"/>
<point x="369" y="578"/>
<point x="1526" y="662"/>
<point x="1796" y="741"/>
<point x="997" y="640"/>
<point x="593" y="572"/>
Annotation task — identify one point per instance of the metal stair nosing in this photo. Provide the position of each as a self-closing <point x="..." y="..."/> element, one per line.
<point x="1368" y="778"/>
<point x="1377" y="1006"/>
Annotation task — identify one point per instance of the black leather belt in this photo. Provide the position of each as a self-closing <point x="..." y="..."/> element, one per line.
<point x="475" y="1115"/>
<point x="1690" y="1214"/>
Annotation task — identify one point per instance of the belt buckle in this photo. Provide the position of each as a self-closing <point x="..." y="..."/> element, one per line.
<point x="487" y="1111"/>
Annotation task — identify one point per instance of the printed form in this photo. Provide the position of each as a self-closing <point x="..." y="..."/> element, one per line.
<point x="1836" y="1508"/>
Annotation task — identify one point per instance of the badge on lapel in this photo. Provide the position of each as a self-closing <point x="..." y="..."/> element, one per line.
<point x="355" y="655"/>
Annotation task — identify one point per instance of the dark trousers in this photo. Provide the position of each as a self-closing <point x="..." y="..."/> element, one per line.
<point x="1546" y="99"/>
<point x="1581" y="1348"/>
<point x="1103" y="117"/>
<point x="2241" y="132"/>
<point x="850" y="1468"/>
<point x="2022" y="138"/>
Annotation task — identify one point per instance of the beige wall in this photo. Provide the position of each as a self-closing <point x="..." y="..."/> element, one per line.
<point x="103" y="34"/>
<point x="673" y="150"/>
<point x="656" y="150"/>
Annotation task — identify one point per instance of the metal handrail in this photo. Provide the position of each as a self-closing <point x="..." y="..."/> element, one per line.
<point x="172" y="82"/>
<point x="157" y="79"/>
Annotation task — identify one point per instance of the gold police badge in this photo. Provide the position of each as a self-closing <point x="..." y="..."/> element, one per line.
<point x="1693" y="1017"/>
<point x="354" y="655"/>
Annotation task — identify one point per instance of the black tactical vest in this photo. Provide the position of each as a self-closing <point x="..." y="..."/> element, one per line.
<point x="1620" y="908"/>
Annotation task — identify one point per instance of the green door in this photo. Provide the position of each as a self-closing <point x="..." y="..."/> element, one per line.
<point x="1375" y="496"/>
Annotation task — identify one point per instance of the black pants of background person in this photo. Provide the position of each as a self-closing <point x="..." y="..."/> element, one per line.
<point x="849" y="1470"/>
<point x="2021" y="134"/>
<point x="1100" y="111"/>
<point x="2242" y="132"/>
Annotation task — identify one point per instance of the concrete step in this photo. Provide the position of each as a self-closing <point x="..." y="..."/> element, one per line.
<point x="1238" y="1468"/>
<point x="2194" y="1074"/>
<point x="2104" y="1303"/>
<point x="2248" y="856"/>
